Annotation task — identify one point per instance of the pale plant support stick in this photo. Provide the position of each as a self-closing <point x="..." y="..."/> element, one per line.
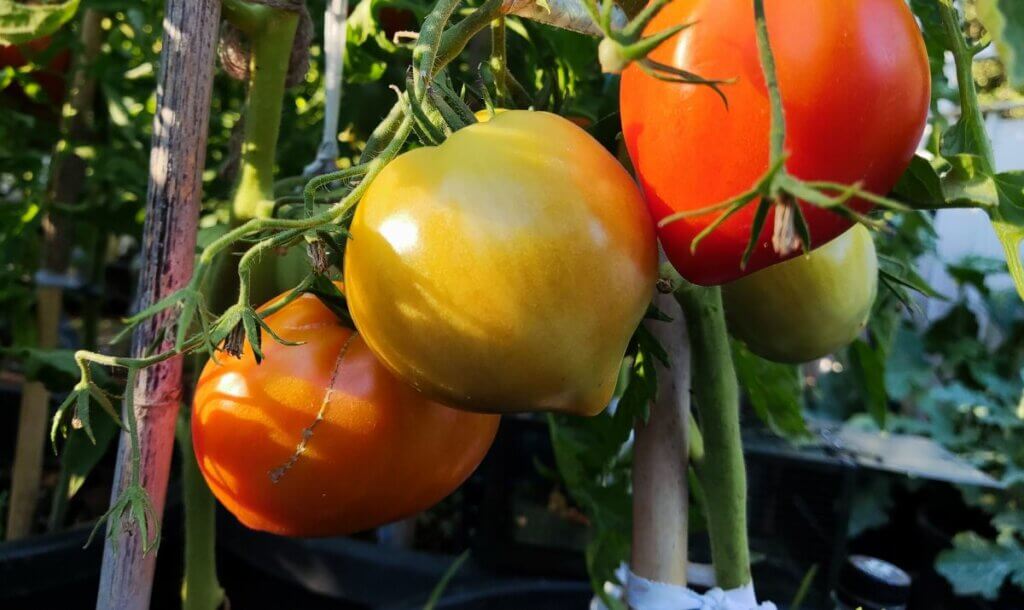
<point x="335" y="31"/>
<point x="169" y="240"/>
<point x="660" y="463"/>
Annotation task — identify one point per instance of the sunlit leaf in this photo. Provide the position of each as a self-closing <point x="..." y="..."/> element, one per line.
<point x="21" y="23"/>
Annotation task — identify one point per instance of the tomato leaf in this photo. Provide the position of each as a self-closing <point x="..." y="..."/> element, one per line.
<point x="960" y="138"/>
<point x="1008" y="222"/>
<point x="967" y="182"/>
<point x="976" y="566"/>
<point x="935" y="42"/>
<point x="869" y="367"/>
<point x="54" y="368"/>
<point x="774" y="390"/>
<point x="896" y="272"/>
<point x="1004" y="20"/>
<point x="21" y="23"/>
<point x="81" y="454"/>
<point x="921" y="184"/>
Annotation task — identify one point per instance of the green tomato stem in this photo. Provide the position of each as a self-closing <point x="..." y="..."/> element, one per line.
<point x="425" y="53"/>
<point x="200" y="589"/>
<point x="244" y="15"/>
<point x="722" y="471"/>
<point x="970" y="110"/>
<point x="777" y="137"/>
<point x="271" y="47"/>
<point x="455" y="38"/>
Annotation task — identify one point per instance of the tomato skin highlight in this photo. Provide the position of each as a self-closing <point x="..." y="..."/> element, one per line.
<point x="807" y="307"/>
<point x="382" y="451"/>
<point x="855" y="85"/>
<point x="506" y="269"/>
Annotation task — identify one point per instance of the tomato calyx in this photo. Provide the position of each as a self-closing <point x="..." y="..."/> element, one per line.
<point x="624" y="45"/>
<point x="438" y="112"/>
<point x="779" y="191"/>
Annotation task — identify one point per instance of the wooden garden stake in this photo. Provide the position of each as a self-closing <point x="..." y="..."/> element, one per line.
<point x="169" y="240"/>
<point x="660" y="460"/>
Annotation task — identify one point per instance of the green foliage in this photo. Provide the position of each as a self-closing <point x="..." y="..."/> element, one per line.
<point x="976" y="566"/>
<point x="22" y="22"/>
<point x="594" y="458"/>
<point x="959" y="381"/>
<point x="1004" y="20"/>
<point x="775" y="392"/>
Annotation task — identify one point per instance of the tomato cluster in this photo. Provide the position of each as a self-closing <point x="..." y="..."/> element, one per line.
<point x="506" y="269"/>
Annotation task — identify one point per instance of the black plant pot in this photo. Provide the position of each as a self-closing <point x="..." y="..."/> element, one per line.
<point x="57" y="570"/>
<point x="362" y="574"/>
<point x="42" y="571"/>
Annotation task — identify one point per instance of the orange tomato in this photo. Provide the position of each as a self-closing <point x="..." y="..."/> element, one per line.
<point x="506" y="269"/>
<point x="855" y="86"/>
<point x="379" y="452"/>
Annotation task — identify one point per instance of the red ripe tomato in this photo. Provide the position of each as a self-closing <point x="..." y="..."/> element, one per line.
<point x="381" y="451"/>
<point x="51" y="77"/>
<point x="855" y="85"/>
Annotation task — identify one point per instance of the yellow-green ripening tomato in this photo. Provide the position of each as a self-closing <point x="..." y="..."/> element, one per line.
<point x="809" y="306"/>
<point x="504" y="270"/>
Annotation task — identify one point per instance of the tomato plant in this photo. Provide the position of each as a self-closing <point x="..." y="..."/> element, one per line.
<point x="500" y="266"/>
<point x="506" y="269"/>
<point x="809" y="306"/>
<point x="320" y="439"/>
<point x="855" y="87"/>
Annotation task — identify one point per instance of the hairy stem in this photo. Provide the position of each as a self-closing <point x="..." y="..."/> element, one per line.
<point x="200" y="589"/>
<point x="268" y="70"/>
<point x="777" y="136"/>
<point x="970" y="111"/>
<point x="722" y="471"/>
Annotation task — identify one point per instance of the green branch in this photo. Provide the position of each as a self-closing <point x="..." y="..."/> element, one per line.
<point x="971" y="118"/>
<point x="200" y="589"/>
<point x="271" y="48"/>
<point x="722" y="472"/>
<point x="777" y="137"/>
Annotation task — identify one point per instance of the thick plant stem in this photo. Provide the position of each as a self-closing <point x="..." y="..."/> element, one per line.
<point x="722" y="472"/>
<point x="169" y="240"/>
<point x="271" y="45"/>
<point x="200" y="589"/>
<point x="970" y="110"/>
<point x="66" y="177"/>
<point x="974" y="139"/>
<point x="660" y="498"/>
